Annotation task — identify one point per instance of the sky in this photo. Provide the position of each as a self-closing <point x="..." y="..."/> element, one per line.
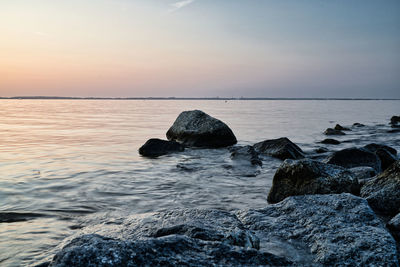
<point x="200" y="48"/>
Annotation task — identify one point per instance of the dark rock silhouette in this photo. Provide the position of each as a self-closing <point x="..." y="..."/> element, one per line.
<point x="156" y="147"/>
<point x="354" y="157"/>
<point x="341" y="128"/>
<point x="198" y="129"/>
<point x="330" y="141"/>
<point x="307" y="177"/>
<point x="281" y="148"/>
<point x="331" y="131"/>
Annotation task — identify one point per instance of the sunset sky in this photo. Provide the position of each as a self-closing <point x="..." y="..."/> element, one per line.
<point x="200" y="48"/>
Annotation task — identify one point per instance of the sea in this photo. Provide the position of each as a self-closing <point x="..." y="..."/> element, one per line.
<point x="65" y="163"/>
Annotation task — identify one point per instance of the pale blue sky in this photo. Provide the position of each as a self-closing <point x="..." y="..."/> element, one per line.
<point x="200" y="48"/>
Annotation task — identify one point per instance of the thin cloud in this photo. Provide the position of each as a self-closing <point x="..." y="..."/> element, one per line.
<point x="178" y="5"/>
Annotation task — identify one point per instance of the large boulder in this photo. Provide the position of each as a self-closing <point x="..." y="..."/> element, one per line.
<point x="386" y="154"/>
<point x="383" y="192"/>
<point x="245" y="153"/>
<point x="331" y="131"/>
<point x="197" y="129"/>
<point x="307" y="177"/>
<point x="281" y="148"/>
<point x="331" y="230"/>
<point x="395" y="120"/>
<point x="354" y="157"/>
<point x="188" y="237"/>
<point x="156" y="147"/>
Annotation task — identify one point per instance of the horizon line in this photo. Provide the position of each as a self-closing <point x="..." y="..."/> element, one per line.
<point x="189" y="98"/>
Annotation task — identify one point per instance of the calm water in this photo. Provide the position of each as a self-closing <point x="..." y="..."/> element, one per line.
<point x="68" y="161"/>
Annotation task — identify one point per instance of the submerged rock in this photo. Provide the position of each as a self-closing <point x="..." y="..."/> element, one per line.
<point x="331" y="131"/>
<point x="198" y="129"/>
<point x="156" y="147"/>
<point x="354" y="157"/>
<point x="394" y="226"/>
<point x="246" y="153"/>
<point x="330" y="141"/>
<point x="307" y="177"/>
<point x="188" y="237"/>
<point x="337" y="230"/>
<point x="321" y="150"/>
<point x="383" y="192"/>
<point x="341" y="128"/>
<point x="373" y="147"/>
<point x="357" y="124"/>
<point x="281" y="148"/>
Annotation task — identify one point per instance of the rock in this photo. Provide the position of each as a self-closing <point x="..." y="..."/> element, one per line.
<point x="307" y="177"/>
<point x="394" y="120"/>
<point x="330" y="141"/>
<point x="331" y="131"/>
<point x="386" y="154"/>
<point x="198" y="129"/>
<point x="281" y="148"/>
<point x="383" y="192"/>
<point x="361" y="173"/>
<point x="393" y="131"/>
<point x="321" y="150"/>
<point x="374" y="147"/>
<point x="9" y="217"/>
<point x="336" y="230"/>
<point x="188" y="237"/>
<point x="358" y="124"/>
<point x="341" y="128"/>
<point x="394" y="227"/>
<point x="246" y="153"/>
<point x="156" y="147"/>
<point x="354" y="157"/>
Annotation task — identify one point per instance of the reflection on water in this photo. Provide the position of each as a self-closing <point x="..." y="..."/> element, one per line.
<point x="63" y="159"/>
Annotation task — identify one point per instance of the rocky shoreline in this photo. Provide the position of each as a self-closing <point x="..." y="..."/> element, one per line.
<point x="327" y="208"/>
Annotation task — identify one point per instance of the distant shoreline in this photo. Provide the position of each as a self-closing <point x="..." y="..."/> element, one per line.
<point x="184" y="98"/>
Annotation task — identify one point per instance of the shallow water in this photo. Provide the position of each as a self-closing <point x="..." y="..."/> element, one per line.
<point x="62" y="160"/>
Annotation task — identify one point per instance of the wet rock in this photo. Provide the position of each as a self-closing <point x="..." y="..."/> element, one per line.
<point x="356" y="124"/>
<point x="383" y="192"/>
<point x="156" y="147"/>
<point x="246" y="153"/>
<point x="321" y="150"/>
<point x="198" y="129"/>
<point x="386" y="154"/>
<point x="331" y="131"/>
<point x="337" y="230"/>
<point x="180" y="237"/>
<point x="361" y="173"/>
<point x="394" y="227"/>
<point x="374" y="147"/>
<point x="307" y="177"/>
<point x="339" y="127"/>
<point x="395" y="120"/>
<point x="393" y="131"/>
<point x="8" y="217"/>
<point x="281" y="148"/>
<point x="354" y="157"/>
<point x="330" y="141"/>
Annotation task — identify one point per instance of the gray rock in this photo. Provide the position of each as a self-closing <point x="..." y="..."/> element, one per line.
<point x="373" y="147"/>
<point x="306" y="177"/>
<point x="189" y="237"/>
<point x="246" y="153"/>
<point x="331" y="131"/>
<point x="330" y="141"/>
<point x="394" y="227"/>
<point x="337" y="230"/>
<point x="156" y="147"/>
<point x="198" y="129"/>
<point x="383" y="192"/>
<point x="361" y="173"/>
<point x="386" y="154"/>
<point x="354" y="157"/>
<point x="281" y="148"/>
<point x="395" y="120"/>
<point x="341" y="128"/>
